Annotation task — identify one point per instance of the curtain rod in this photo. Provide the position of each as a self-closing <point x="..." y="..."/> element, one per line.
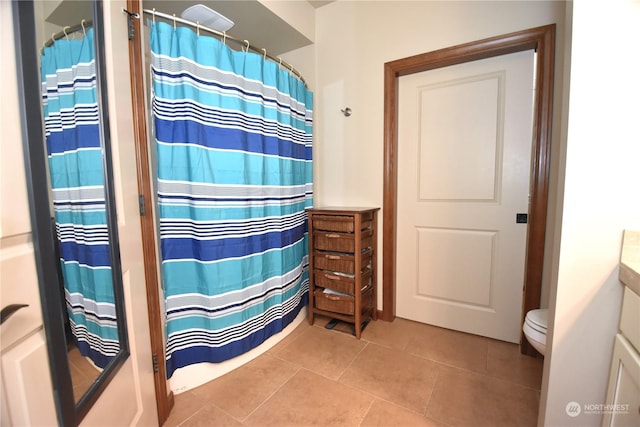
<point x="245" y="43"/>
<point x="68" y="30"/>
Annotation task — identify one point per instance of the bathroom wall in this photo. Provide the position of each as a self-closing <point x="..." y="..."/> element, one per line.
<point x="599" y="200"/>
<point x="297" y="14"/>
<point x="353" y="41"/>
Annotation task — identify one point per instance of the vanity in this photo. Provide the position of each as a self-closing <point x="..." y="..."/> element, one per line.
<point x="622" y="406"/>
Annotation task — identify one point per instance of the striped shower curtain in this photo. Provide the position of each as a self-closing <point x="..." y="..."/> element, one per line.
<point x="69" y="97"/>
<point x="233" y="135"/>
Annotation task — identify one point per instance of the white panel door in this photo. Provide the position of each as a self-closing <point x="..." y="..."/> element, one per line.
<point x="464" y="155"/>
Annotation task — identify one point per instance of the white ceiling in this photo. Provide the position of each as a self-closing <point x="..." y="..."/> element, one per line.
<point x="252" y="21"/>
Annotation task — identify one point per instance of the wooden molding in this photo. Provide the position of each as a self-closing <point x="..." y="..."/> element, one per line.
<point x="540" y="39"/>
<point x="164" y="398"/>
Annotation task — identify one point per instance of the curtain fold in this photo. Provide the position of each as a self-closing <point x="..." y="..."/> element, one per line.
<point x="233" y="136"/>
<point x="71" y="117"/>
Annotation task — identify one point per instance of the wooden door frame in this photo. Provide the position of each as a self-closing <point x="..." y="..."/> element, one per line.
<point x="164" y="396"/>
<point x="542" y="40"/>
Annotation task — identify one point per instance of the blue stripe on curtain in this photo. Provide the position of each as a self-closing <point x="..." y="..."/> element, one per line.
<point x="69" y="96"/>
<point x="234" y="137"/>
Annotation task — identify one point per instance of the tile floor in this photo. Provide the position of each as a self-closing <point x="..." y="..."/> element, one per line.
<point x="400" y="373"/>
<point x="83" y="372"/>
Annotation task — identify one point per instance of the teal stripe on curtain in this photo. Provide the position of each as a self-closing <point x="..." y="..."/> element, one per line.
<point x="233" y="136"/>
<point x="69" y="97"/>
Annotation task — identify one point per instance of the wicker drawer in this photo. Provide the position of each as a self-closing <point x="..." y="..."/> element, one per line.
<point x="334" y="303"/>
<point x="367" y="216"/>
<point x="342" y="304"/>
<point x="337" y="242"/>
<point x="366" y="303"/>
<point x="340" y="242"/>
<point x="339" y="282"/>
<point x="340" y="262"/>
<point x="341" y="223"/>
<point x="367" y="239"/>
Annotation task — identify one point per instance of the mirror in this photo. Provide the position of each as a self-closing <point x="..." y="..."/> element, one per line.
<point x="70" y="184"/>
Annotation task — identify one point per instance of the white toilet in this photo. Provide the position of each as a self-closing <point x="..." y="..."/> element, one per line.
<point x="535" y="329"/>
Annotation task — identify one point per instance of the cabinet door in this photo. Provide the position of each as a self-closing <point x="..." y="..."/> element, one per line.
<point x="26" y="383"/>
<point x="623" y="395"/>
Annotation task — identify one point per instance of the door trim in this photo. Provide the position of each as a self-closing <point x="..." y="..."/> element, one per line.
<point x="164" y="397"/>
<point x="540" y="39"/>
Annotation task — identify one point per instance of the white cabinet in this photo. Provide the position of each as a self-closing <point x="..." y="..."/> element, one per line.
<point x="622" y="406"/>
<point x="26" y="384"/>
<point x="27" y="394"/>
<point x="623" y="396"/>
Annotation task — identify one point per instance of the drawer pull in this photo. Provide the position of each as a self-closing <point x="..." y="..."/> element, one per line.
<point x="332" y="256"/>
<point x="332" y="236"/>
<point x="331" y="277"/>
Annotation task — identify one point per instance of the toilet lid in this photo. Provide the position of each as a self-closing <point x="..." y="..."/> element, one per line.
<point x="538" y="318"/>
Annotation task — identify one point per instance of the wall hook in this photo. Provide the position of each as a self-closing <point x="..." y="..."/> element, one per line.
<point x="346" y="112"/>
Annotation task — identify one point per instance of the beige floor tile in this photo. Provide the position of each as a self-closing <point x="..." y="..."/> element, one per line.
<point x="381" y="385"/>
<point x="241" y="391"/>
<point x="505" y="361"/>
<point x="185" y="405"/>
<point x="210" y="416"/>
<point x="385" y="414"/>
<point x="320" y="321"/>
<point x="309" y="399"/>
<point x="83" y="364"/>
<point x="398" y="377"/>
<point x="291" y="337"/>
<point x="396" y="334"/>
<point x="452" y="348"/>
<point x="322" y="351"/>
<point x="463" y="398"/>
<point x="83" y="372"/>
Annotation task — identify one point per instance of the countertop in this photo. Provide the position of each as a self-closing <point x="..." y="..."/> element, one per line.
<point x="630" y="260"/>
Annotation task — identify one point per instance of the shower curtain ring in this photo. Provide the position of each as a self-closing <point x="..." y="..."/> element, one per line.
<point x="247" y="46"/>
<point x="198" y="28"/>
<point x="264" y="57"/>
<point x="224" y="38"/>
<point x="174" y="22"/>
<point x="84" y="30"/>
<point x="154" y="15"/>
<point x="64" y="30"/>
